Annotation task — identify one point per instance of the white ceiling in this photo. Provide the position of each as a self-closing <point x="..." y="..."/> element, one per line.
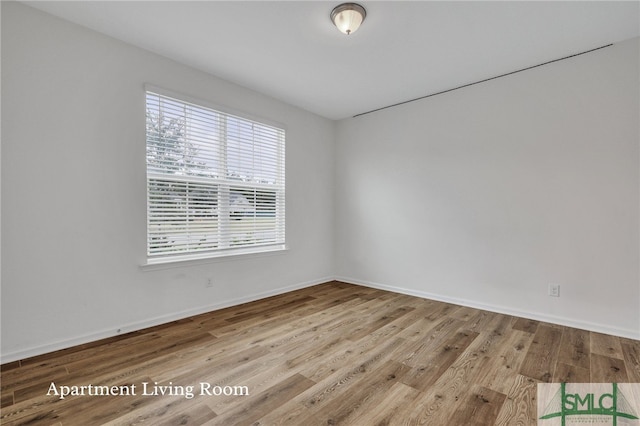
<point x="291" y="51"/>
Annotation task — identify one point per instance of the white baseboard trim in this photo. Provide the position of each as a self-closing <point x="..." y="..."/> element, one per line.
<point x="140" y="325"/>
<point x="163" y="319"/>
<point x="583" y="325"/>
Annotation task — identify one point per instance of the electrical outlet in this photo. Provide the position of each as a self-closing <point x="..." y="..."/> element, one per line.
<point x="209" y="283"/>
<point x="554" y="290"/>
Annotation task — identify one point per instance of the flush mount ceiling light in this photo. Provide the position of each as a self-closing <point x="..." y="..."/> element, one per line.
<point x="348" y="16"/>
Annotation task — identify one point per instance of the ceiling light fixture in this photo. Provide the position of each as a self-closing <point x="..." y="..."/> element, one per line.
<point x="347" y="17"/>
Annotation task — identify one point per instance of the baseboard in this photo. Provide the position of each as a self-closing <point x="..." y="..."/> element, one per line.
<point x="568" y="322"/>
<point x="140" y="325"/>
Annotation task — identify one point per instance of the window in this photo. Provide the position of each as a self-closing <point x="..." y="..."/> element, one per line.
<point x="215" y="182"/>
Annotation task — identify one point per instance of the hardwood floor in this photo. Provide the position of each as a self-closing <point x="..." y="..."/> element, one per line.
<point x="330" y="354"/>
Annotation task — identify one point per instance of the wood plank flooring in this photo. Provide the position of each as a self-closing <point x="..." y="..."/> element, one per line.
<point x="332" y="354"/>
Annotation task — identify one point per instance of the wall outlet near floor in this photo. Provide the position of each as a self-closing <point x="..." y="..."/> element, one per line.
<point x="554" y="290"/>
<point x="209" y="283"/>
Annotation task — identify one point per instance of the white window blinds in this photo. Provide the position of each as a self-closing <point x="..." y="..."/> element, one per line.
<point x="215" y="182"/>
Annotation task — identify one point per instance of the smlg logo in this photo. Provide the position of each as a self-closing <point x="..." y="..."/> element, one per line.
<point x="594" y="404"/>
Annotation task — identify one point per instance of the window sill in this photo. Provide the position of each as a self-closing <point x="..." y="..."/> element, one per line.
<point x="153" y="264"/>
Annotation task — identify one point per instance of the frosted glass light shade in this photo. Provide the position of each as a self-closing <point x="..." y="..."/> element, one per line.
<point x="347" y="17"/>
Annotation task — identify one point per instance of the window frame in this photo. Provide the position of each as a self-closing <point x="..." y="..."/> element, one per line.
<point x="279" y="189"/>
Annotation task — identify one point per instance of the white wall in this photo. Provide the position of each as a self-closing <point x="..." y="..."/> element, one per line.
<point x="483" y="196"/>
<point x="73" y="190"/>
<point x="0" y="180"/>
